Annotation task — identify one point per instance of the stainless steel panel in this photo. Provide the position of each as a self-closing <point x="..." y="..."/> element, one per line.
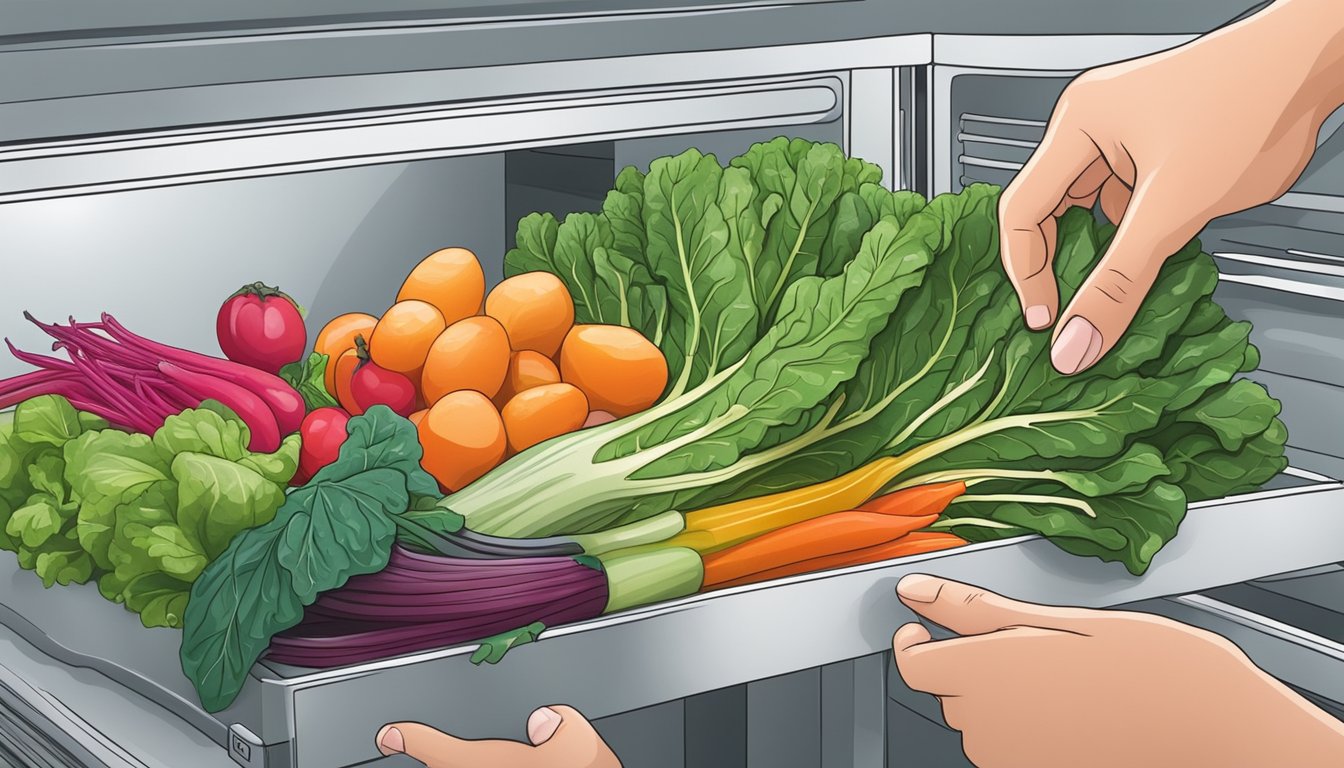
<point x="351" y="86"/>
<point x="77" y="167"/>
<point x="339" y="241"/>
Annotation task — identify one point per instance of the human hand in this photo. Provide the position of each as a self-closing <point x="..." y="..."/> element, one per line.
<point x="1039" y="686"/>
<point x="560" y="736"/>
<point x="1167" y="142"/>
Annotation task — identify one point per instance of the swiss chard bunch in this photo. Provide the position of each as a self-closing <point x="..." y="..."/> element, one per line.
<point x="141" y="514"/>
<point x="817" y="323"/>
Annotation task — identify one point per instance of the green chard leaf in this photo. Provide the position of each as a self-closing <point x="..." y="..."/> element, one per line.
<point x="535" y="249"/>
<point x="712" y="319"/>
<point x="341" y="524"/>
<point x="851" y="354"/>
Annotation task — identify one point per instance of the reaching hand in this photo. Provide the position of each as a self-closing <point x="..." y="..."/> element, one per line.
<point x="1030" y="685"/>
<point x="1167" y="142"/>
<point x="560" y="736"/>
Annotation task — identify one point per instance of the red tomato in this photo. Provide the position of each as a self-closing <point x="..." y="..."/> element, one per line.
<point x="374" y="385"/>
<point x="261" y="327"/>
<point x="322" y="434"/>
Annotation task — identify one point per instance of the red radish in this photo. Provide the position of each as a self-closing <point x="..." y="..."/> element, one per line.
<point x="374" y="385"/>
<point x="322" y="434"/>
<point x="262" y="327"/>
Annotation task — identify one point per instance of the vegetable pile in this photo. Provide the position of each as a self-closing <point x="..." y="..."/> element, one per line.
<point x="484" y="377"/>
<point x="728" y="374"/>
<point x="849" y="380"/>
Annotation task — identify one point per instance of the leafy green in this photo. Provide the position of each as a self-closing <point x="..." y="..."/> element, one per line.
<point x="38" y="512"/>
<point x="884" y="328"/>
<point x="142" y="514"/>
<point x="307" y="377"/>
<point x="338" y="525"/>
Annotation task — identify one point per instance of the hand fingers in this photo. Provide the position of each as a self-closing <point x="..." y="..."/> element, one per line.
<point x="1114" y="199"/>
<point x="559" y="734"/>
<point x="967" y="666"/>
<point x="1107" y="301"/>
<point x="908" y="636"/>
<point x="1083" y="192"/>
<point x="969" y="610"/>
<point x="1026" y="205"/>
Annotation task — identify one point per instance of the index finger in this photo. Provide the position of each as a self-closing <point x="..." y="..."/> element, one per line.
<point x="1026" y="217"/>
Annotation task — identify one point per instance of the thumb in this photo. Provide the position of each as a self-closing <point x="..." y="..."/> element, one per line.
<point x="565" y="737"/>
<point x="437" y="749"/>
<point x="560" y="736"/>
<point x="1105" y="305"/>
<point x="970" y="610"/>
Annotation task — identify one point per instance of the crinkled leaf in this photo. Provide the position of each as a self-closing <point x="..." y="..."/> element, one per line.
<point x="217" y="498"/>
<point x="712" y="319"/>
<point x="160" y="599"/>
<point x="48" y="419"/>
<point x="202" y="431"/>
<point x="65" y="566"/>
<point x="112" y="465"/>
<point x="278" y="467"/>
<point x="338" y="525"/>
<point x="36" y="522"/>
<point x="535" y="249"/>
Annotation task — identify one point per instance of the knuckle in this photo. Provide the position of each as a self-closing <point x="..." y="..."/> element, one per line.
<point x="1118" y="285"/>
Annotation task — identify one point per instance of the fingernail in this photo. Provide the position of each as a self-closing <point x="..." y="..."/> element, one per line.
<point x="919" y="588"/>
<point x="1077" y="346"/>
<point x="390" y="741"/>
<point x="1037" y="317"/>
<point x="542" y="725"/>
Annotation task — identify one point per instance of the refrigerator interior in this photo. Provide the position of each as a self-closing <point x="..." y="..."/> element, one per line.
<point x="153" y="252"/>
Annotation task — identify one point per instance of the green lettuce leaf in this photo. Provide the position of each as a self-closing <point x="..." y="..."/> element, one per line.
<point x="341" y="524"/>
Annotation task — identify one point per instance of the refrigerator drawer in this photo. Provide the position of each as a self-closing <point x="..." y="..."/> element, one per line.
<point x="661" y="653"/>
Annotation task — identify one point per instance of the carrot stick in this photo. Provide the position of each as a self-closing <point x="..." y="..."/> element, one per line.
<point x="917" y="501"/>
<point x="916" y="543"/>
<point x="832" y="534"/>
<point x="715" y="528"/>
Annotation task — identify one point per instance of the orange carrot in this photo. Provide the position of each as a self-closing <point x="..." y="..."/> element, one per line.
<point x="917" y="501"/>
<point x="828" y="535"/>
<point x="916" y="543"/>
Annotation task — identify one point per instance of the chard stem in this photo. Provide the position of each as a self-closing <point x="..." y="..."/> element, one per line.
<point x="1011" y="498"/>
<point x="977" y="522"/>
<point x="952" y="396"/>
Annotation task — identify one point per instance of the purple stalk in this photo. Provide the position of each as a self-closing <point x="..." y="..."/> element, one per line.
<point x="286" y="405"/>
<point x="242" y="401"/>
<point x="41" y="361"/>
<point x="338" y="643"/>
<point x="113" y="393"/>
